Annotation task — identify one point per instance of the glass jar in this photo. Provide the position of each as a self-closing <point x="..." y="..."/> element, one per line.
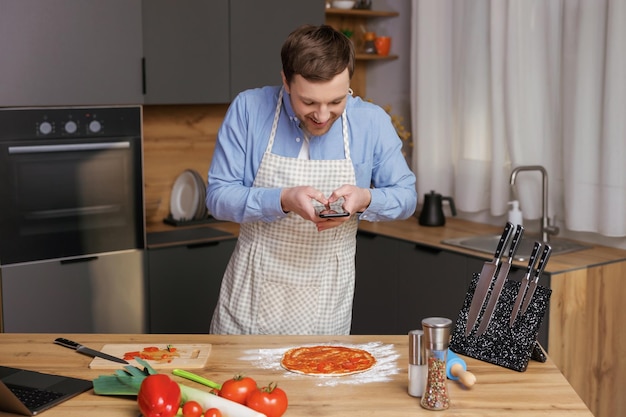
<point x="369" y="45"/>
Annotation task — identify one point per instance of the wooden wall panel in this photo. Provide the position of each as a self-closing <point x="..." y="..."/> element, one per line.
<point x="587" y="336"/>
<point x="175" y="138"/>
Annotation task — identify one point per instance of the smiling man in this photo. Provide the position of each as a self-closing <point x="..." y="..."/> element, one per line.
<point x="286" y="156"/>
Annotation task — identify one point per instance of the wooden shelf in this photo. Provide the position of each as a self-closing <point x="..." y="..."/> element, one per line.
<point x="374" y="57"/>
<point x="355" y="20"/>
<point x="360" y="13"/>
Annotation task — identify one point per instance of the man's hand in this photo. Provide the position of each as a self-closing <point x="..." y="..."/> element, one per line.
<point x="356" y="199"/>
<point x="298" y="200"/>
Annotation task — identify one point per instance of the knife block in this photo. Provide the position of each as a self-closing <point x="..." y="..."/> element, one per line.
<point x="500" y="344"/>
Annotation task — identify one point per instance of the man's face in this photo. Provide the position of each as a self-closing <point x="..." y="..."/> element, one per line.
<point x="318" y="104"/>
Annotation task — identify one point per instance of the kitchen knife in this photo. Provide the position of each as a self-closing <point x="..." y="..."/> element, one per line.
<point x="532" y="285"/>
<point x="500" y="280"/>
<point x="87" y="351"/>
<point x="524" y="283"/>
<point x="484" y="280"/>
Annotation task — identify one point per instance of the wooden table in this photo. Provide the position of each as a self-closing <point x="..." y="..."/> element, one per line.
<point x="541" y="390"/>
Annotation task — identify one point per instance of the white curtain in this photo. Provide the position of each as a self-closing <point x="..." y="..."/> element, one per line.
<point x="502" y="83"/>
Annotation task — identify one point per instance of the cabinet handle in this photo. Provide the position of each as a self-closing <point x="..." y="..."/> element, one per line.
<point x="202" y="245"/>
<point x="78" y="260"/>
<point x="143" y="75"/>
<point x="369" y="235"/>
<point x="429" y="249"/>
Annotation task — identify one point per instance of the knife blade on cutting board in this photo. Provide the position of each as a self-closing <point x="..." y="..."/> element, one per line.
<point x="532" y="285"/>
<point x="524" y="283"/>
<point x="500" y="280"/>
<point x="484" y="280"/>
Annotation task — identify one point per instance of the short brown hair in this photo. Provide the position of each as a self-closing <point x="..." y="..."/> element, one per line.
<point x="317" y="53"/>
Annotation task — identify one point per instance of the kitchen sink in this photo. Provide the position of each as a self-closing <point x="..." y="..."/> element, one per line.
<point x="488" y="243"/>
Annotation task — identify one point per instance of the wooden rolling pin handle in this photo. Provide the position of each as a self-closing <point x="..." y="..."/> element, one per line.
<point x="456" y="369"/>
<point x="464" y="377"/>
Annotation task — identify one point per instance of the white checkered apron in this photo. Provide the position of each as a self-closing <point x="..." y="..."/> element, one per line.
<point x="285" y="277"/>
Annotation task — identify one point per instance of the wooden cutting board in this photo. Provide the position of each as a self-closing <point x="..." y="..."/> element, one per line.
<point x="191" y="356"/>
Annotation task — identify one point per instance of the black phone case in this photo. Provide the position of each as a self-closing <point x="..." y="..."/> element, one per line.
<point x="500" y="344"/>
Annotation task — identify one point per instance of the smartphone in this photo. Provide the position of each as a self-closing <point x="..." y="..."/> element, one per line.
<point x="326" y="214"/>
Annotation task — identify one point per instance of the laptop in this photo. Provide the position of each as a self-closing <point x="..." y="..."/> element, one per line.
<point x="29" y="393"/>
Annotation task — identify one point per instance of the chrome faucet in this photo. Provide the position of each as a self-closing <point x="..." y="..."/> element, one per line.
<point x="546" y="228"/>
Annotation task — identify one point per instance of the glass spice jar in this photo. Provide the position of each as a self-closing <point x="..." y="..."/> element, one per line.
<point x="436" y="340"/>
<point x="369" y="47"/>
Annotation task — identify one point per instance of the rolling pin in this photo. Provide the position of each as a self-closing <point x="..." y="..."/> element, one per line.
<point x="456" y="370"/>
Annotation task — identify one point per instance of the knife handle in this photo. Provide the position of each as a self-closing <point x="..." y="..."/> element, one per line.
<point x="532" y="259"/>
<point x="506" y="234"/>
<point x="545" y="255"/>
<point x="66" y="343"/>
<point x="517" y="238"/>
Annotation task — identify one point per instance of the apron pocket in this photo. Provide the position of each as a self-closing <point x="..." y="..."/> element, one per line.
<point x="288" y="309"/>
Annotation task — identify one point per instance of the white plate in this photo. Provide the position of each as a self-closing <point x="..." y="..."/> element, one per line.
<point x="185" y="197"/>
<point x="201" y="211"/>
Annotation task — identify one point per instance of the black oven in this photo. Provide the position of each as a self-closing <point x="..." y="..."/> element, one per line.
<point x="71" y="220"/>
<point x="71" y="182"/>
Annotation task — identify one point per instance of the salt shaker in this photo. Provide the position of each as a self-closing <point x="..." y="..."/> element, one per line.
<point x="417" y="363"/>
<point x="436" y="340"/>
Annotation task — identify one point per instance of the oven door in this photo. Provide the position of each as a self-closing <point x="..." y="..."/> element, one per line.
<point x="70" y="198"/>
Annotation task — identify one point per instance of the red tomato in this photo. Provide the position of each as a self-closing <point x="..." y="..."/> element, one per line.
<point x="238" y="388"/>
<point x="192" y="409"/>
<point x="212" y="412"/>
<point x="270" y="400"/>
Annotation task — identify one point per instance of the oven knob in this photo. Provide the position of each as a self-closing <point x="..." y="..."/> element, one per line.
<point x="70" y="127"/>
<point x="45" y="128"/>
<point x="95" y="126"/>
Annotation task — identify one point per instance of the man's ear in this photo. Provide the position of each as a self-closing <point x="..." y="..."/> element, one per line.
<point x="285" y="83"/>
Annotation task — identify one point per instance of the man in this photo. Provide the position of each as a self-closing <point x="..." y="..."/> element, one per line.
<point x="285" y="154"/>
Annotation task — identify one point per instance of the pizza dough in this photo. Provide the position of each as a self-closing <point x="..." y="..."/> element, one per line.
<point x="326" y="360"/>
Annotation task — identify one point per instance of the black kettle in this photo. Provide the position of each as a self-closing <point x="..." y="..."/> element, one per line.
<point x="432" y="210"/>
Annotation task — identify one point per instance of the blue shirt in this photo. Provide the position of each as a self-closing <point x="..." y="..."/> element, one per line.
<point x="376" y="153"/>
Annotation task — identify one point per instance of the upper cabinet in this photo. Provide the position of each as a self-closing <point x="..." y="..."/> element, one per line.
<point x="257" y="32"/>
<point x="109" y="52"/>
<point x="207" y="51"/>
<point x="70" y="52"/>
<point x="186" y="51"/>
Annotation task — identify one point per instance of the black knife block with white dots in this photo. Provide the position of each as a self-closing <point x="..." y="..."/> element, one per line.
<point x="501" y="344"/>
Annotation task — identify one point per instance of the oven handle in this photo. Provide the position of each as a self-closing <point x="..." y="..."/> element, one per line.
<point x="101" y="146"/>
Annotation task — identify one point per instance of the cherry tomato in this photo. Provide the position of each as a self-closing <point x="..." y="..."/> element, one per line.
<point x="212" y="412"/>
<point x="270" y="400"/>
<point x="192" y="409"/>
<point x="238" y="388"/>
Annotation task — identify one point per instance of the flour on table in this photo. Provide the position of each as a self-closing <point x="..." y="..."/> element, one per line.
<point x="385" y="354"/>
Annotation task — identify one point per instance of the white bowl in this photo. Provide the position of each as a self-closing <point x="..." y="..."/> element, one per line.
<point x="343" y="4"/>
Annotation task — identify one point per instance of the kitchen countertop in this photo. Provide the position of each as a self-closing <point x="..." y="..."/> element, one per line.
<point x="411" y="231"/>
<point x="540" y="390"/>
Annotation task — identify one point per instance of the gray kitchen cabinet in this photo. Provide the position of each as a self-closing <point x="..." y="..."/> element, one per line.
<point x="186" y="51"/>
<point x="70" y="52"/>
<point x="207" y="51"/>
<point x="399" y="283"/>
<point x="257" y="32"/>
<point x="184" y="283"/>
